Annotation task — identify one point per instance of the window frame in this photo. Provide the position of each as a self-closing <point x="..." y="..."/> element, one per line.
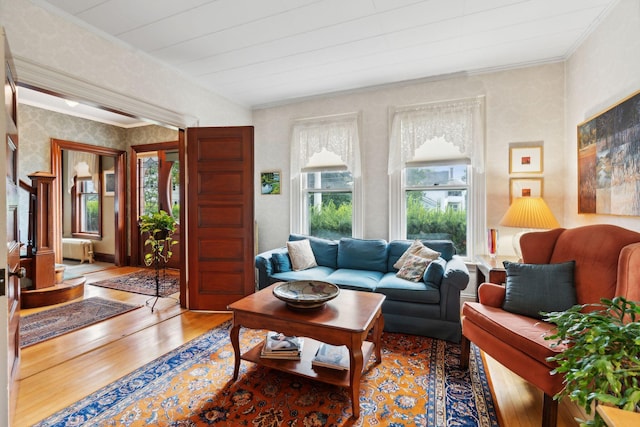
<point x="307" y="191"/>
<point x="77" y="213"/>
<point x="468" y="187"/>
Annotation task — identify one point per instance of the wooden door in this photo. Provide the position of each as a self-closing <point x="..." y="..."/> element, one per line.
<point x="220" y="249"/>
<point x="12" y="287"/>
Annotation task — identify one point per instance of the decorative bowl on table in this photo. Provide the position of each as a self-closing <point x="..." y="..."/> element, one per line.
<point x="306" y="294"/>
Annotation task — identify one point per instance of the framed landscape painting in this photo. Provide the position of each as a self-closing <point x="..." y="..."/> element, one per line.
<point x="609" y="160"/>
<point x="270" y="182"/>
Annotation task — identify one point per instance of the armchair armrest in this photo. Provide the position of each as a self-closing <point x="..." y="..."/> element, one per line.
<point x="491" y="294"/>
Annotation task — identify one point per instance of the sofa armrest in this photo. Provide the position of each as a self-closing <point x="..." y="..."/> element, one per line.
<point x="264" y="266"/>
<point x="455" y="279"/>
<point x="456" y="274"/>
<point x="491" y="294"/>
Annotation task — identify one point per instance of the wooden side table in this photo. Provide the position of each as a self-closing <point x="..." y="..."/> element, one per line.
<point x="491" y="269"/>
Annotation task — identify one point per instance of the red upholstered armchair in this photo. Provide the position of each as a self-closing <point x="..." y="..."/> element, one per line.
<point x="607" y="264"/>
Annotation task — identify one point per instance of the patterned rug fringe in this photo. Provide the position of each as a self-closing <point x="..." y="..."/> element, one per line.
<point x="418" y="383"/>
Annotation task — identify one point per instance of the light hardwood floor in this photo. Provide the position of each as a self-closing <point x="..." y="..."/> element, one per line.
<point x="58" y="372"/>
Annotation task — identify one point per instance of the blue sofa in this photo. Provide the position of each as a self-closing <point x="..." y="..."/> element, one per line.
<point x="430" y="307"/>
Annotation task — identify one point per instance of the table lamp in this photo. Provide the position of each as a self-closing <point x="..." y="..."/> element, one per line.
<point x="528" y="213"/>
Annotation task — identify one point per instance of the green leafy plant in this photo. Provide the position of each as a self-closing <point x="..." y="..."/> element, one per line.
<point x="160" y="227"/>
<point x="601" y="362"/>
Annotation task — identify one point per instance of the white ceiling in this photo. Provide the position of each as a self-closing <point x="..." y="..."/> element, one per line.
<point x="265" y="52"/>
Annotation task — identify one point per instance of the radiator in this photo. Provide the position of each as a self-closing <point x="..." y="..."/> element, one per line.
<point x="80" y="249"/>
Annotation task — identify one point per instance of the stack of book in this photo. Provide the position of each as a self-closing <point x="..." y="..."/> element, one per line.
<point x="280" y="346"/>
<point x="331" y="356"/>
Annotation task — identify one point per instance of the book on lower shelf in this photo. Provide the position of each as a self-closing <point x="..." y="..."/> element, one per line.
<point x="332" y="356"/>
<point x="279" y="346"/>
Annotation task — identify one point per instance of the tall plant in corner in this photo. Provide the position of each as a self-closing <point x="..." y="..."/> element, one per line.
<point x="159" y="228"/>
<point x="601" y="362"/>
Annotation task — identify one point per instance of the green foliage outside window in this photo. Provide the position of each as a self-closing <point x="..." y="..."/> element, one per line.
<point x="425" y="222"/>
<point x="91" y="215"/>
<point x="332" y="221"/>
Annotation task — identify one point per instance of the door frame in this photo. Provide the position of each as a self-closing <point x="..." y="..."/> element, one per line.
<point x="133" y="205"/>
<point x="57" y="145"/>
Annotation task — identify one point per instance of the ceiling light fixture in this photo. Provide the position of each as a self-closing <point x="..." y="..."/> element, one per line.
<point x="71" y="103"/>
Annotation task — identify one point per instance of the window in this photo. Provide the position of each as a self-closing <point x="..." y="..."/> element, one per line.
<point x="87" y="207"/>
<point x="325" y="174"/>
<point x="436" y="200"/>
<point x="159" y="182"/>
<point x="328" y="203"/>
<point x="436" y="167"/>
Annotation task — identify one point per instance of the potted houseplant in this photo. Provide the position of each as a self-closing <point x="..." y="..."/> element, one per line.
<point x="601" y="362"/>
<point x="159" y="228"/>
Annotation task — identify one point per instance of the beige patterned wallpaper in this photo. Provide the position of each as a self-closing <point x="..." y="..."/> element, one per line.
<point x="37" y="126"/>
<point x="522" y="105"/>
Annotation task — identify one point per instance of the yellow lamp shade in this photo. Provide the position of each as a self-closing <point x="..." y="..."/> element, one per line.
<point x="529" y="212"/>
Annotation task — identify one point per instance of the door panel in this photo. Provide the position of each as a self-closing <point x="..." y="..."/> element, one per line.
<point x="220" y="216"/>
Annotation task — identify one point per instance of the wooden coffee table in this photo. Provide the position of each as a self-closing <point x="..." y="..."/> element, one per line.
<point x="345" y="320"/>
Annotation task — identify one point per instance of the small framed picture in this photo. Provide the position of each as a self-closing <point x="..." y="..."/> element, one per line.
<point x="525" y="187"/>
<point x="525" y="159"/>
<point x="109" y="182"/>
<point x="270" y="182"/>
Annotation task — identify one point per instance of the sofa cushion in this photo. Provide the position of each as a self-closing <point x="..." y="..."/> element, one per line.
<point x="434" y="272"/>
<point x="325" y="250"/>
<point x="413" y="268"/>
<point x="301" y="255"/>
<point x="281" y="262"/>
<point x="359" y="254"/>
<point x="532" y="288"/>
<point x="417" y="248"/>
<point x="359" y="280"/>
<point x="315" y="273"/>
<point x="398" y="289"/>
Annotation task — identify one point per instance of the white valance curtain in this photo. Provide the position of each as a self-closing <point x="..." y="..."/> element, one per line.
<point x="337" y="135"/>
<point x="76" y="158"/>
<point x="459" y="122"/>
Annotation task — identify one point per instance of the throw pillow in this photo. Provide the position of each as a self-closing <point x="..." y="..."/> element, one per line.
<point x="413" y="268"/>
<point x="535" y="288"/>
<point x="301" y="255"/>
<point x="417" y="249"/>
<point x="281" y="262"/>
<point x="434" y="272"/>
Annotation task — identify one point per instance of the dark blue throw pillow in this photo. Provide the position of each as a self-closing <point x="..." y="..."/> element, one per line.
<point x="281" y="262"/>
<point x="532" y="288"/>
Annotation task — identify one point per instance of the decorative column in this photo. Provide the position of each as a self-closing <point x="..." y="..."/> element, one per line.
<point x="44" y="259"/>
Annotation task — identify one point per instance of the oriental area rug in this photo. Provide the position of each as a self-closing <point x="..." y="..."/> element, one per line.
<point x="51" y="323"/>
<point x="143" y="282"/>
<point x="418" y="383"/>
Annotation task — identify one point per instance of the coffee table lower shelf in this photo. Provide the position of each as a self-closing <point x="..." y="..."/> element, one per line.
<point x="303" y="367"/>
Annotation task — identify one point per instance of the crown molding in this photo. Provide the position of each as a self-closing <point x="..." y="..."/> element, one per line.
<point x="42" y="77"/>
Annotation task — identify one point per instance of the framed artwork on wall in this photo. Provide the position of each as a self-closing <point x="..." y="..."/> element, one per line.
<point x="109" y="182"/>
<point x="609" y="160"/>
<point x="525" y="187"/>
<point x="525" y="158"/>
<point x="270" y="182"/>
